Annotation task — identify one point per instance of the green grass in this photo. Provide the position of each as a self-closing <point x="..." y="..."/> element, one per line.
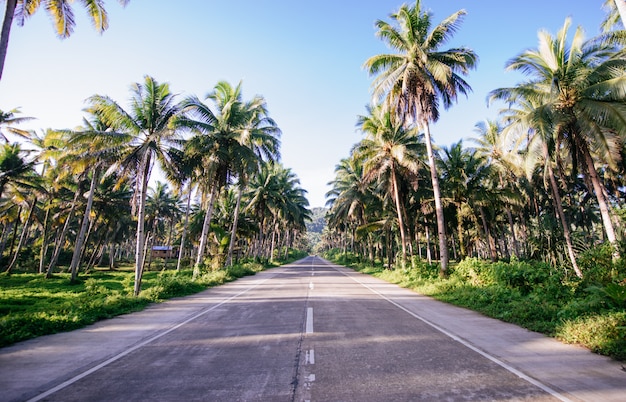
<point x="590" y="312"/>
<point x="31" y="305"/>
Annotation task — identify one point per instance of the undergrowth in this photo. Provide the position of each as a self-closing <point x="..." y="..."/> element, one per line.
<point x="31" y="305"/>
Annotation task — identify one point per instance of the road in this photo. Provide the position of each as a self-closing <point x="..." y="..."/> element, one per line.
<point x="308" y="331"/>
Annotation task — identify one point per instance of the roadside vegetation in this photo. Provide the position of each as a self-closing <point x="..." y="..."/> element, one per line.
<point x="524" y="220"/>
<point x="532" y="294"/>
<point x="31" y="305"/>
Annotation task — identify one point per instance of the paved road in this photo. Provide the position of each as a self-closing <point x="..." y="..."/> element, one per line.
<point x="309" y="331"/>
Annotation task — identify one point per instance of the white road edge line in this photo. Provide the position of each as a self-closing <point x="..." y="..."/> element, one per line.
<point x="494" y="359"/>
<point x="139" y="345"/>
<point x="309" y="320"/>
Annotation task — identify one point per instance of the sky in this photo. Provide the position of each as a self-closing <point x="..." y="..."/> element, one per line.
<point x="304" y="57"/>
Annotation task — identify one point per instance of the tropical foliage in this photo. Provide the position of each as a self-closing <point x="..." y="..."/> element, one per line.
<point x="544" y="181"/>
<point x="85" y="197"/>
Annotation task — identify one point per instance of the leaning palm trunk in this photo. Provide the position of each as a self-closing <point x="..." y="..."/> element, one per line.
<point x="598" y="188"/>
<point x="80" y="238"/>
<point x="561" y="214"/>
<point x="441" y="224"/>
<point x="22" y="237"/>
<point x="6" y="30"/>
<point x="44" y="245"/>
<point x="61" y="239"/>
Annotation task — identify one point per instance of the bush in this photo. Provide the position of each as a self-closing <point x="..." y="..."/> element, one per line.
<point x="604" y="333"/>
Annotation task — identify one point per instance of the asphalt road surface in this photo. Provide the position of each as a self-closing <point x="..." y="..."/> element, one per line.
<point x="308" y="331"/>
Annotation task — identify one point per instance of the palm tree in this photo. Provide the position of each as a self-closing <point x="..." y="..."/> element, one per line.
<point x="15" y="170"/>
<point x="388" y="152"/>
<point x="18" y="178"/>
<point x="59" y="10"/>
<point x="581" y="90"/>
<point x="86" y="151"/>
<point x="260" y="135"/>
<point x="535" y="130"/>
<point x="226" y="142"/>
<point x="140" y="136"/>
<point x="415" y="80"/>
<point x="7" y="120"/>
<point x="494" y="149"/>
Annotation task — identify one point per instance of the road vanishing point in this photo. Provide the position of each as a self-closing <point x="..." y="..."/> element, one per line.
<point x="307" y="331"/>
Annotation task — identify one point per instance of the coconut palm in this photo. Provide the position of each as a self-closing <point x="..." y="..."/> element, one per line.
<point x="260" y="134"/>
<point x="60" y="12"/>
<point x="18" y="181"/>
<point x="388" y="152"/>
<point x="140" y="137"/>
<point x="7" y="122"/>
<point x="581" y="90"/>
<point x="227" y="143"/>
<point x="15" y="171"/>
<point x="495" y="150"/>
<point x="414" y="81"/>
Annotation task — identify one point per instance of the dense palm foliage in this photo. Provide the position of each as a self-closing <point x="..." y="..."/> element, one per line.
<point x="415" y="80"/>
<point x="85" y="197"/>
<point x="544" y="181"/>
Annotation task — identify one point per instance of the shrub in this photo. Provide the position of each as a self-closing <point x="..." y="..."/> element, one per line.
<point x="604" y="333"/>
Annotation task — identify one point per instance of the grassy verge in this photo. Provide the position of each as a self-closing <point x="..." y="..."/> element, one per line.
<point x="31" y="305"/>
<point x="590" y="312"/>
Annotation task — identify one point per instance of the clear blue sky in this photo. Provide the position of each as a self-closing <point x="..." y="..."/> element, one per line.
<point x="304" y="57"/>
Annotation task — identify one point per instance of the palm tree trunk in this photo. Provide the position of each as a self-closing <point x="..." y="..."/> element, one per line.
<point x="205" y="232"/>
<point x="59" y="243"/>
<point x="44" y="245"/>
<point x="491" y="245"/>
<point x="396" y="196"/>
<point x="80" y="238"/>
<point x="558" y="205"/>
<point x="6" y="31"/>
<point x="185" y="226"/>
<point x="429" y="257"/>
<point x="233" y="232"/>
<point x="598" y="188"/>
<point x="459" y="229"/>
<point x="22" y="237"/>
<point x="141" y="217"/>
<point x="441" y="223"/>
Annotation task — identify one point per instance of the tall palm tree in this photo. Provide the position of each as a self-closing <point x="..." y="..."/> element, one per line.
<point x="581" y="90"/>
<point x="87" y="151"/>
<point x="259" y="134"/>
<point x="225" y="142"/>
<point x="388" y="151"/>
<point x="60" y="12"/>
<point x="140" y="136"/>
<point x="414" y="81"/>
<point x="496" y="151"/>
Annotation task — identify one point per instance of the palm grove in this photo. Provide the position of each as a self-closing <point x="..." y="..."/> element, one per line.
<point x="543" y="181"/>
<point x="91" y="198"/>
